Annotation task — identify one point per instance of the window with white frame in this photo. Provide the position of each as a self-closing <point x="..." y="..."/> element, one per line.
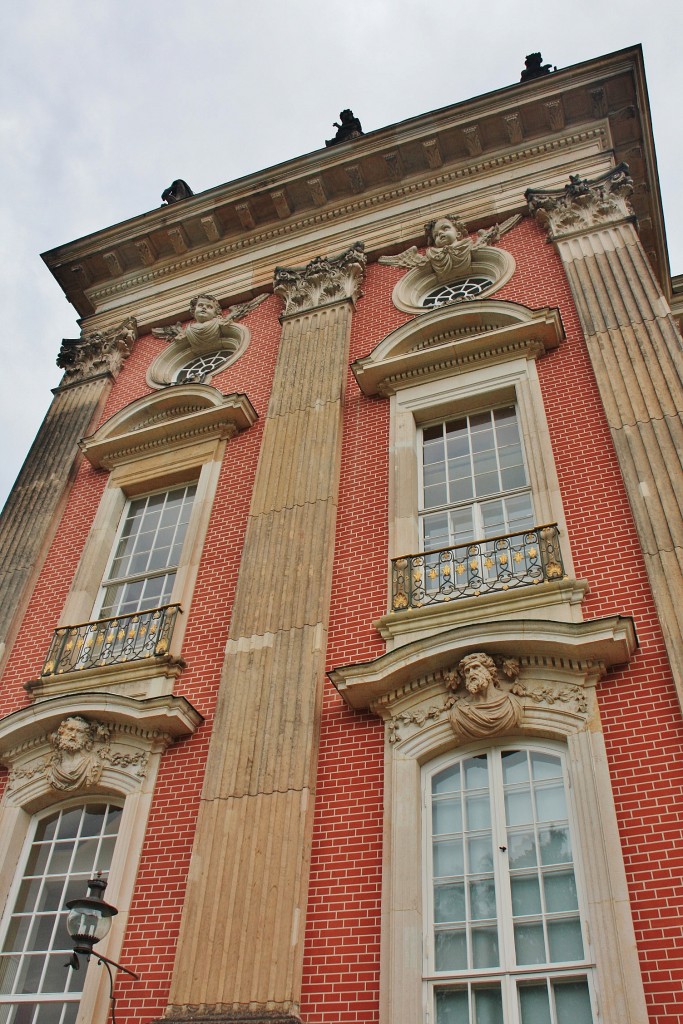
<point x="506" y="942"/>
<point x="146" y="552"/>
<point x="474" y="479"/>
<point x="67" y="848"/>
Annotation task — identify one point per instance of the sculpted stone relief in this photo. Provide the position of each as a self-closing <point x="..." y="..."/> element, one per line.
<point x="449" y="248"/>
<point x="81" y="750"/>
<point x="210" y="329"/>
<point x="484" y="709"/>
<point x="487" y="699"/>
<point x="582" y="204"/>
<point x="325" y="279"/>
<point x="97" y="352"/>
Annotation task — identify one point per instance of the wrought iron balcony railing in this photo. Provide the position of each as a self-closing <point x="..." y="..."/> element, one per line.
<point x="470" y="570"/>
<point x="111" y="641"/>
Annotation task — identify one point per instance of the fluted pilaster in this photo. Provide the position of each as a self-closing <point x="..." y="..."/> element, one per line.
<point x="31" y="512"/>
<point x="637" y="358"/>
<point x="241" y="943"/>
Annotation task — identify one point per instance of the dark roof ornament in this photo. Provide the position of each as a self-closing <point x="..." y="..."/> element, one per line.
<point x="350" y="128"/>
<point x="535" y="68"/>
<point x="176" y="191"/>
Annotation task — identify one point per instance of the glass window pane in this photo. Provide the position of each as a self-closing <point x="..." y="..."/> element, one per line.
<point x="482" y="900"/>
<point x="526" y="896"/>
<point x="485" y="947"/>
<point x="572" y="1002"/>
<point x="565" y="941"/>
<point x="522" y="849"/>
<point x="435" y="531"/>
<point x="560" y="892"/>
<point x="545" y="766"/>
<point x="555" y="846"/>
<point x="450" y="951"/>
<point x="478" y="812"/>
<point x="551" y="804"/>
<point x="436" y="495"/>
<point x="449" y="902"/>
<point x="448" y="858"/>
<point x="447" y="781"/>
<point x="462" y="526"/>
<point x="534" y="1004"/>
<point x="446" y="816"/>
<point x="518" y="809"/>
<point x="530" y="944"/>
<point x="488" y="1006"/>
<point x="452" y="1006"/>
<point x="515" y="766"/>
<point x="476" y="772"/>
<point x="479" y="854"/>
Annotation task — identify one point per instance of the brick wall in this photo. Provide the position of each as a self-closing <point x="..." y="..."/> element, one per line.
<point x="642" y="720"/>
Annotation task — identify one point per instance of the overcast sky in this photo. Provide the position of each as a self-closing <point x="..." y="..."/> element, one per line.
<point x="104" y="102"/>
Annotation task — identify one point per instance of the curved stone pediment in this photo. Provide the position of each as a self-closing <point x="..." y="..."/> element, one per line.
<point x="172" y="418"/>
<point x="599" y="643"/>
<point x="439" y="342"/>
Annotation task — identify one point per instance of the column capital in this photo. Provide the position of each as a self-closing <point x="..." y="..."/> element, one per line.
<point x="325" y="279"/>
<point x="583" y="205"/>
<point x="97" y="352"/>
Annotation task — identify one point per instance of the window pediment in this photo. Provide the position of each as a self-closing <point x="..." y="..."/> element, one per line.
<point x="448" y="339"/>
<point x="597" y="644"/>
<point x="111" y="738"/>
<point x="173" y="418"/>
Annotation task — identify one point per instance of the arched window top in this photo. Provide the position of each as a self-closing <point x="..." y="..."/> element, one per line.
<point x="65" y="847"/>
<point x="504" y="893"/>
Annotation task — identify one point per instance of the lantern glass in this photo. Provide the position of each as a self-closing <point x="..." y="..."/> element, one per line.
<point x="88" y="924"/>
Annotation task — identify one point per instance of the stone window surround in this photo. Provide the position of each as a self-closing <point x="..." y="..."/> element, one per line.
<point x="140" y="732"/>
<point x="506" y="377"/>
<point x="169" y="444"/>
<point x="406" y="688"/>
<point x="411" y="290"/>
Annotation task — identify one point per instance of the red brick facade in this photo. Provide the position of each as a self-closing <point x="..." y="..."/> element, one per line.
<point x="640" y="713"/>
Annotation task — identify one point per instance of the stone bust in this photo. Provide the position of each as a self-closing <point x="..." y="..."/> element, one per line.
<point x="78" y="745"/>
<point x="449" y="248"/>
<point x="485" y="708"/>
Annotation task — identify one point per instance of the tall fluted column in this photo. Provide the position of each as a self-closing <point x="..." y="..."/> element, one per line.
<point x="241" y="941"/>
<point x="637" y="358"/>
<point x="30" y="515"/>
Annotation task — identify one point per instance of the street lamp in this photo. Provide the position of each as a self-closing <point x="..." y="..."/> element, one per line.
<point x="87" y="923"/>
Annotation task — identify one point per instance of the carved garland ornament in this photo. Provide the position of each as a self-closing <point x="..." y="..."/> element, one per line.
<point x="97" y="352"/>
<point x="486" y="699"/>
<point x="325" y="279"/>
<point x="583" y="205"/>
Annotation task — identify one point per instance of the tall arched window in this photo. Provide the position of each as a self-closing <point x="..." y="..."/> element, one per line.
<point x="506" y="943"/>
<point x="66" y="848"/>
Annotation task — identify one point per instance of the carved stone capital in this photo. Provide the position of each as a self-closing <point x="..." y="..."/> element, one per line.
<point x="97" y="352"/>
<point x="583" y="205"/>
<point x="325" y="279"/>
